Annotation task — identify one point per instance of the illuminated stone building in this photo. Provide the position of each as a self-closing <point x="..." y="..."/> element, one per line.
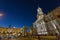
<point x="10" y="31"/>
<point x="51" y="22"/>
<point x="54" y="14"/>
<point x="39" y="24"/>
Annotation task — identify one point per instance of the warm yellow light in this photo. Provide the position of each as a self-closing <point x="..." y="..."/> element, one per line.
<point x="39" y="17"/>
<point x="1" y="14"/>
<point x="14" y="33"/>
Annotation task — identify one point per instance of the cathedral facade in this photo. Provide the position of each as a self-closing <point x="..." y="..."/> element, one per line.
<point x="39" y="24"/>
<point x="47" y="23"/>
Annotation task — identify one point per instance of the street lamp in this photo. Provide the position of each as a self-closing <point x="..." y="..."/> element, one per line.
<point x="1" y="14"/>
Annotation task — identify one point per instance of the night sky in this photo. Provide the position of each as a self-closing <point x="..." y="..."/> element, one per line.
<point x="21" y="13"/>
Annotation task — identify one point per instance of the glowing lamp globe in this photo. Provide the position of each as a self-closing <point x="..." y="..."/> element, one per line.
<point x="1" y="14"/>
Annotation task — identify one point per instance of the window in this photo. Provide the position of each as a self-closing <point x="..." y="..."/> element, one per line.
<point x="58" y="16"/>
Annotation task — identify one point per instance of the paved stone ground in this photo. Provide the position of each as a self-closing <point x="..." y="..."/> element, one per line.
<point x="25" y="38"/>
<point x="34" y="38"/>
<point x="21" y="38"/>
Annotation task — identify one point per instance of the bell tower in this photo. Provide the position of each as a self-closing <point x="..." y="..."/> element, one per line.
<point x="39" y="24"/>
<point x="39" y="13"/>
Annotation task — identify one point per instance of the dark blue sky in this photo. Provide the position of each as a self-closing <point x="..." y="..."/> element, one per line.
<point x="23" y="12"/>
